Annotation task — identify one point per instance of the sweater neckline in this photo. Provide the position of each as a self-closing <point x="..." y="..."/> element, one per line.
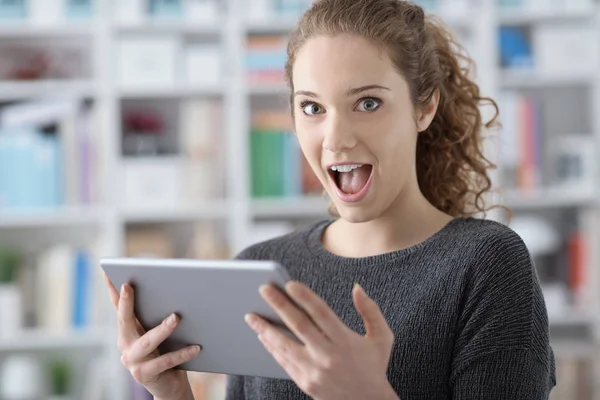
<point x="315" y="245"/>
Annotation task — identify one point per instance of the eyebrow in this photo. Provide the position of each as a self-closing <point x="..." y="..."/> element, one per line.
<point x="350" y="92"/>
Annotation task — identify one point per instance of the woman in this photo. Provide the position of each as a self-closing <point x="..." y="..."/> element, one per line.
<point x="389" y="122"/>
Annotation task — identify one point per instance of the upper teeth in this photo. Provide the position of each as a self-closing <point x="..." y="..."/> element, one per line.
<point x="345" y="168"/>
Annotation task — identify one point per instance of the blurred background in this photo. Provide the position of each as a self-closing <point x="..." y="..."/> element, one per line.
<point x="160" y="128"/>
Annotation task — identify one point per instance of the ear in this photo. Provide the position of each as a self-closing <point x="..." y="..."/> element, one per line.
<point x="427" y="112"/>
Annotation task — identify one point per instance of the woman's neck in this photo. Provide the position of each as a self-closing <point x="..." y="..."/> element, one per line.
<point x="410" y="220"/>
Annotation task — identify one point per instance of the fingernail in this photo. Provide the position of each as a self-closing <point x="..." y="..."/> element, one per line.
<point x="194" y="350"/>
<point x="250" y="320"/>
<point x="123" y="291"/>
<point x="172" y="319"/>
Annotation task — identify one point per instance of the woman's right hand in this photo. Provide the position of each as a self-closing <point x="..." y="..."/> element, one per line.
<point x="139" y="350"/>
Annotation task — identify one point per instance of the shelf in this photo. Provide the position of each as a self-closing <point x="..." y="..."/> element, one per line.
<point x="268" y="89"/>
<point x="171" y="92"/>
<point x="208" y="211"/>
<point x="532" y="79"/>
<point x="525" y="17"/>
<point x="273" y="25"/>
<point x="283" y="208"/>
<point x="283" y="24"/>
<point x="12" y="90"/>
<point x="214" y="27"/>
<point x="460" y="19"/>
<point x="28" y="30"/>
<point x="39" y="341"/>
<point x="549" y="198"/>
<point x="51" y="218"/>
<point x="577" y="349"/>
<point x="571" y="320"/>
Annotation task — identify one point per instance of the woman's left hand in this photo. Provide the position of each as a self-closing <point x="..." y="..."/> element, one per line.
<point x="332" y="362"/>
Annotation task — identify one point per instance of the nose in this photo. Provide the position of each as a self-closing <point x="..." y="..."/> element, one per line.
<point x="338" y="135"/>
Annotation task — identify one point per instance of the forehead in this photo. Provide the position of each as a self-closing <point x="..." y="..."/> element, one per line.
<point x="337" y="63"/>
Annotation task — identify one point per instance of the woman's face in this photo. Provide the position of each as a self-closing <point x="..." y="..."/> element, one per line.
<point x="356" y="124"/>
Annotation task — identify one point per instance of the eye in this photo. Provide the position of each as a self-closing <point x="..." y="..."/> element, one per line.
<point x="310" y="108"/>
<point x="369" y="104"/>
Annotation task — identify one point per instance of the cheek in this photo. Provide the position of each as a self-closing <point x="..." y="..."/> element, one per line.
<point x="310" y="145"/>
<point x="394" y="143"/>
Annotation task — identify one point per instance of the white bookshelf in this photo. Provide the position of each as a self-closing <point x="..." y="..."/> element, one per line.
<point x="27" y="90"/>
<point x="43" y="342"/>
<point x="309" y="207"/>
<point x="549" y="16"/>
<point x="239" y="211"/>
<point x="206" y="211"/>
<point x="65" y="217"/>
<point x="531" y="80"/>
<point x="172" y="92"/>
<point x="19" y="30"/>
<point x="152" y="27"/>
<point x="550" y="198"/>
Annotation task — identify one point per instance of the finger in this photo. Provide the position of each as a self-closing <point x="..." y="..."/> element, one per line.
<point x="295" y="319"/>
<point x="147" y="371"/>
<point x="153" y="338"/>
<point x="114" y="298"/>
<point x="316" y="308"/>
<point x="290" y="367"/>
<point x="112" y="291"/>
<point x="126" y="320"/>
<point x="375" y="324"/>
<point x="279" y="341"/>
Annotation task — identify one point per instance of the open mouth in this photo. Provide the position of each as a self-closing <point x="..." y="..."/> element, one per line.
<point x="350" y="178"/>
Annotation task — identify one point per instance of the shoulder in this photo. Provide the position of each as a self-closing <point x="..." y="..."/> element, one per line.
<point x="491" y="244"/>
<point x="491" y="259"/>
<point x="284" y="246"/>
<point x="487" y="235"/>
<point x="501" y="274"/>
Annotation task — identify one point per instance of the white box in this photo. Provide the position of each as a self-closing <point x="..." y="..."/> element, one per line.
<point x="203" y="64"/>
<point x="579" y="5"/>
<point x="129" y="11"/>
<point x="44" y="12"/>
<point x="147" y="61"/>
<point x="565" y="49"/>
<point x="201" y="10"/>
<point x="152" y="183"/>
<point x="259" y="10"/>
<point x="542" y="6"/>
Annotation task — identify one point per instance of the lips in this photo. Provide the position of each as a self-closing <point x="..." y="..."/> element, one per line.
<point x="351" y="180"/>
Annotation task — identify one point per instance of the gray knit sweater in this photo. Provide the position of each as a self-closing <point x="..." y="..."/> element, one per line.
<point x="465" y="305"/>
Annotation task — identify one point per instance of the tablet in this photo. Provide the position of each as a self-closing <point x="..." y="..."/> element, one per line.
<point x="211" y="299"/>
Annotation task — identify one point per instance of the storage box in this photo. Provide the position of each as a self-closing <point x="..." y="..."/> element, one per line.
<point x="203" y="65"/>
<point x="565" y="49"/>
<point x="152" y="183"/>
<point x="201" y="10"/>
<point x="147" y="61"/>
<point x="129" y="11"/>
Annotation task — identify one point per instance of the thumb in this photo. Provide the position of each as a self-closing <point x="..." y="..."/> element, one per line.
<point x="375" y="323"/>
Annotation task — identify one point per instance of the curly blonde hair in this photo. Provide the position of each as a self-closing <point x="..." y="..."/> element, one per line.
<point x="452" y="170"/>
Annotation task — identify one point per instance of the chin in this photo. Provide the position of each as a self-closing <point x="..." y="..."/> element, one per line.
<point x="356" y="214"/>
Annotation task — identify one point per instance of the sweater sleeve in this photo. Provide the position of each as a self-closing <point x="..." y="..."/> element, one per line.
<point x="502" y="349"/>
<point x="235" y="388"/>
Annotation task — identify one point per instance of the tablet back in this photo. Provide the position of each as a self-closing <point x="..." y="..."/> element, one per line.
<point x="211" y="298"/>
